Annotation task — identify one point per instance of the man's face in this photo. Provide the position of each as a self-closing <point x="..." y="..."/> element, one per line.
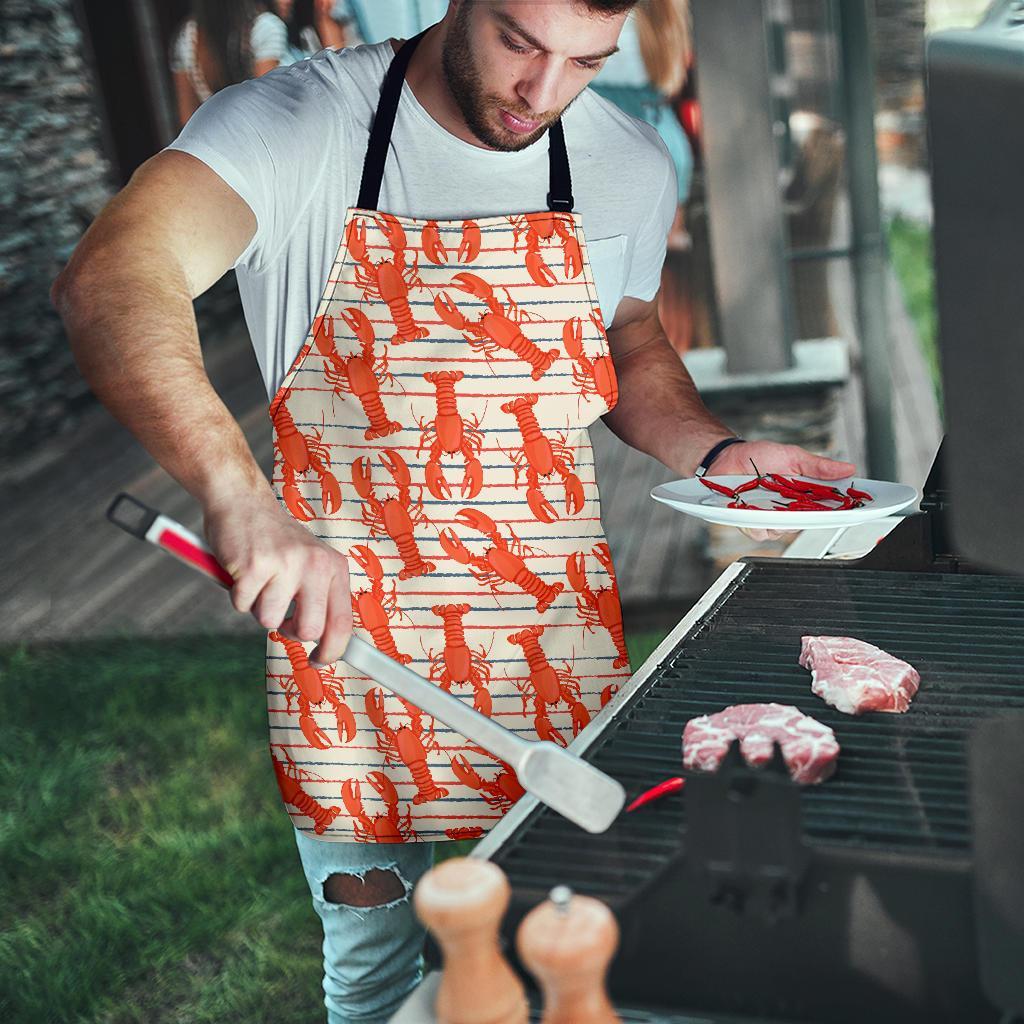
<point x="513" y="66"/>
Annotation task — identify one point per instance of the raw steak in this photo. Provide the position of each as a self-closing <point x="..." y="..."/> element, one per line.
<point x="855" y="677"/>
<point x="808" y="747"/>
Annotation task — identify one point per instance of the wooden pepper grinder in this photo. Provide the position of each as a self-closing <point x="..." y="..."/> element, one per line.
<point x="567" y="943"/>
<point x="462" y="902"/>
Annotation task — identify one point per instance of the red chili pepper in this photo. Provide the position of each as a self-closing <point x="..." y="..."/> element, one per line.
<point x="750" y="485"/>
<point x="656" y="792"/>
<point x="719" y="488"/>
<point x="806" y="505"/>
<point x="786" y="492"/>
<point x="862" y="495"/>
<point x="809" y="487"/>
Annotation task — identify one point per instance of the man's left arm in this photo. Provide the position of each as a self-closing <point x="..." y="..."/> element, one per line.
<point x="660" y="412"/>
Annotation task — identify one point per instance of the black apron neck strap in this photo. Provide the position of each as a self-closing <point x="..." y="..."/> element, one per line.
<point x="383" y="122"/>
<point x="560" y="183"/>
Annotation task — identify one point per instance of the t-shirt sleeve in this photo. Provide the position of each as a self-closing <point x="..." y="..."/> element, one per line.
<point x="268" y="139"/>
<point x="269" y="38"/>
<point x="652" y="238"/>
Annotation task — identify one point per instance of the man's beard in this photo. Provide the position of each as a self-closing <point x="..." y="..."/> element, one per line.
<point x="478" y="108"/>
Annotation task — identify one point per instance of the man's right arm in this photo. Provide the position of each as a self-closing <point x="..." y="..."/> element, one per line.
<point x="126" y="301"/>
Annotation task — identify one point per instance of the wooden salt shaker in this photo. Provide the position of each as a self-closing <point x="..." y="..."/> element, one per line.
<point x="462" y="902"/>
<point x="567" y="943"/>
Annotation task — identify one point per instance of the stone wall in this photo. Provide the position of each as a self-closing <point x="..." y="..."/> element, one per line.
<point x="53" y="180"/>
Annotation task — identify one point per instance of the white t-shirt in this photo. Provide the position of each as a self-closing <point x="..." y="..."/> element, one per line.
<point x="292" y="144"/>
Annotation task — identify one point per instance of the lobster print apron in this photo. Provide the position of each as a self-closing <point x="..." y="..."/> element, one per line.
<point x="434" y="429"/>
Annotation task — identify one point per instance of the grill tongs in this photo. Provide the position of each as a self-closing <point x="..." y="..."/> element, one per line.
<point x="572" y="787"/>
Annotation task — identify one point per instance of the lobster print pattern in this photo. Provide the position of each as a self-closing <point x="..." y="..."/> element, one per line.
<point x="434" y="429"/>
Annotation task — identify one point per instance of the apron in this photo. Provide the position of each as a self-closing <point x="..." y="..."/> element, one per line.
<point x="434" y="429"/>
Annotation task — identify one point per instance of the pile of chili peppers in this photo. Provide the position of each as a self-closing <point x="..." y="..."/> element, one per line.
<point x="800" y="495"/>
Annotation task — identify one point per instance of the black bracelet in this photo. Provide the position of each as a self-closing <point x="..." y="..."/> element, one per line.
<point x="705" y="463"/>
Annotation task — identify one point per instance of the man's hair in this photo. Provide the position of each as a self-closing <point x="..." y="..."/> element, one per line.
<point x="608" y="7"/>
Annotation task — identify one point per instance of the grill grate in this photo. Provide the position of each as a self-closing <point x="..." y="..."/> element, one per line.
<point x="901" y="784"/>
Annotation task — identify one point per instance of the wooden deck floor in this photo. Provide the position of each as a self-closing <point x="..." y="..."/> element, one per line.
<point x="68" y="573"/>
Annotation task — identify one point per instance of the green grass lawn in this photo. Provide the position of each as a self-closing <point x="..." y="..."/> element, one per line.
<point x="910" y="247"/>
<point x="148" y="868"/>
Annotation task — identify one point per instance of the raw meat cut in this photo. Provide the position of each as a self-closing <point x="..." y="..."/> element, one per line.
<point x="808" y="747"/>
<point x="855" y="677"/>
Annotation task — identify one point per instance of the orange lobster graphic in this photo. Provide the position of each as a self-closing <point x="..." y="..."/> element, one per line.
<point x="464" y="832"/>
<point x="602" y="608"/>
<point x="503" y="561"/>
<point x="540" y="456"/>
<point x="405" y="744"/>
<point x="496" y="329"/>
<point x="458" y="662"/>
<point x="388" y="280"/>
<point x="450" y="434"/>
<point x="550" y="686"/>
<point x="389" y="827"/>
<point x="433" y="247"/>
<point x="501" y="792"/>
<point x="396" y="517"/>
<point x="545" y="226"/>
<point x="288" y="778"/>
<point x="360" y="375"/>
<point x="374" y="608"/>
<point x="311" y="685"/>
<point x="591" y="376"/>
<point x="608" y="692"/>
<point x="301" y="453"/>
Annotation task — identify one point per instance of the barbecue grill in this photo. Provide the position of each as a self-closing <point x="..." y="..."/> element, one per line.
<point x="748" y="896"/>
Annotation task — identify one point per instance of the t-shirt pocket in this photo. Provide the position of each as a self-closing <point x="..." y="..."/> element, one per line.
<point x="608" y="268"/>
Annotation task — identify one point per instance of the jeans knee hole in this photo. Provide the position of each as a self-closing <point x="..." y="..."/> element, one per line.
<point x="376" y="888"/>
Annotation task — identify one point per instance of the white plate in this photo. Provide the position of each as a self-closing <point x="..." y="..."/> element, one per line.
<point x="693" y="498"/>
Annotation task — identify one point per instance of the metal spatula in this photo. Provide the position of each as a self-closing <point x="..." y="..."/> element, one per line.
<point x="573" y="788"/>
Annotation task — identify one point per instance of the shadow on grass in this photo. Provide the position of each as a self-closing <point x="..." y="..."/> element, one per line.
<point x="149" y="869"/>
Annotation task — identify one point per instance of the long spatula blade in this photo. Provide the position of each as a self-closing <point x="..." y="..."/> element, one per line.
<point x="577" y="790"/>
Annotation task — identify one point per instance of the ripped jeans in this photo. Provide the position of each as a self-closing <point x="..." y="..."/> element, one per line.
<point x="372" y="950"/>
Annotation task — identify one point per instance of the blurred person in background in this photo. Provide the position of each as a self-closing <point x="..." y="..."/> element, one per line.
<point x="647" y="74"/>
<point x="373" y="21"/>
<point x="314" y="25"/>
<point x="223" y="42"/>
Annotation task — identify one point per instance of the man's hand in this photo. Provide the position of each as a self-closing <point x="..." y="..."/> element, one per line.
<point x="274" y="560"/>
<point x="771" y="457"/>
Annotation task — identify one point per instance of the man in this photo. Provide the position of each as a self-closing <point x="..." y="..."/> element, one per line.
<point x="423" y="302"/>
